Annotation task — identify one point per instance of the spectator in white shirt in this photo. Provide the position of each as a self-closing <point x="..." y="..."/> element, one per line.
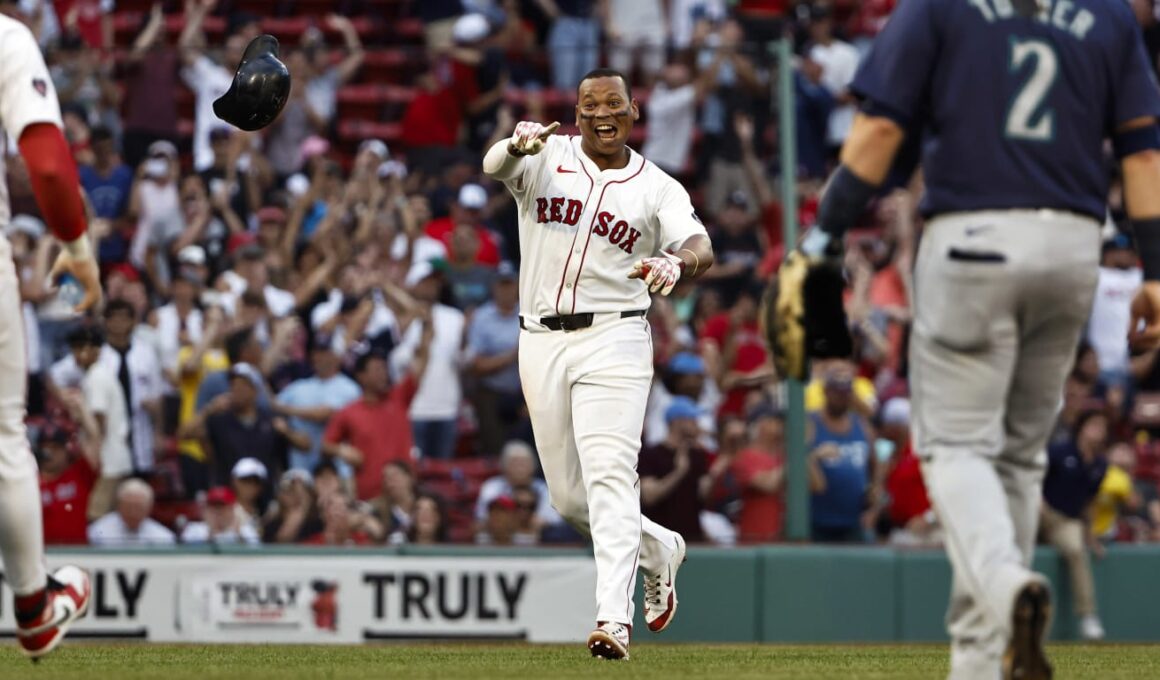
<point x="135" y="369"/>
<point x="839" y="61"/>
<point x="207" y="78"/>
<point x="102" y="399"/>
<point x="637" y="36"/>
<point x="221" y="525"/>
<point x="251" y="272"/>
<point x="435" y="408"/>
<point x="155" y="204"/>
<point x="180" y="322"/>
<point x="1120" y="276"/>
<point x="130" y="526"/>
<point x="672" y="113"/>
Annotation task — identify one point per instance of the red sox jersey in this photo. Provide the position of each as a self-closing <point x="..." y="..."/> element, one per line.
<point x="581" y="229"/>
<point x="26" y="94"/>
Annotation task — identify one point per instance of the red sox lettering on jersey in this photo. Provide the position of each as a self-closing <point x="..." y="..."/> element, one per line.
<point x="583" y="229"/>
<point x="568" y="210"/>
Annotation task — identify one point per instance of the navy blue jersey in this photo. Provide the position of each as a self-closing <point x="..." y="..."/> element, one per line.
<point x="1015" y="109"/>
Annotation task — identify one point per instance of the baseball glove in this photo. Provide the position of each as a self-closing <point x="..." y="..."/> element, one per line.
<point x="802" y="313"/>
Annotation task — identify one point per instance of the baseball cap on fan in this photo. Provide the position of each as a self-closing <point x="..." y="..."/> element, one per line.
<point x="470" y="28"/>
<point x="249" y="467"/>
<point x="682" y="407"/>
<point x="220" y="495"/>
<point x="191" y="255"/>
<point x="27" y="225"/>
<point x="506" y="271"/>
<point x="472" y="197"/>
<point x="376" y="146"/>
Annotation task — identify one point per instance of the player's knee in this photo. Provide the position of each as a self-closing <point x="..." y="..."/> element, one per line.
<point x="571" y="509"/>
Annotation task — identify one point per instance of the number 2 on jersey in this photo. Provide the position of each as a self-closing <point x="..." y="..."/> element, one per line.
<point x="1027" y="117"/>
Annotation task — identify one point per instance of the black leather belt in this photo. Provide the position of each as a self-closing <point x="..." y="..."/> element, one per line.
<point x="575" y="322"/>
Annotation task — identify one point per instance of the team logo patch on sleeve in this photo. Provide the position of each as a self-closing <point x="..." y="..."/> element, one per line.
<point x="40" y="86"/>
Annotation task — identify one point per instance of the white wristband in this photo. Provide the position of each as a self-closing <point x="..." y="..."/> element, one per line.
<point x="79" y="248"/>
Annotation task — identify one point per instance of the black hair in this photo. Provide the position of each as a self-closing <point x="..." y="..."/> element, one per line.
<point x="441" y="507"/>
<point x="236" y="342"/>
<point x="325" y="465"/>
<point x="1082" y="419"/>
<point x="607" y="73"/>
<point x="360" y="364"/>
<point x="118" y="305"/>
<point x="402" y="466"/>
<point x="85" y="336"/>
<point x="100" y="133"/>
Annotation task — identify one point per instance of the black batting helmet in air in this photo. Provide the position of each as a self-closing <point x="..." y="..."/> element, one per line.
<point x="260" y="88"/>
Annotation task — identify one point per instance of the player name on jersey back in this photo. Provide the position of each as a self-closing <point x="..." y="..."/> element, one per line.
<point x="582" y="229"/>
<point x="1062" y="14"/>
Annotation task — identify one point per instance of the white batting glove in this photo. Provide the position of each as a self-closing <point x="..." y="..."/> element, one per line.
<point x="660" y="274"/>
<point x="530" y="137"/>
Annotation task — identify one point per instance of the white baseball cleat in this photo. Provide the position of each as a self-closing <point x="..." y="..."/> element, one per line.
<point x="69" y="590"/>
<point x="1090" y="628"/>
<point x="610" y="641"/>
<point x="660" y="591"/>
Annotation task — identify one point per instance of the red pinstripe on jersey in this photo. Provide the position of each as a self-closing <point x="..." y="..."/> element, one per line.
<point x="564" y="272"/>
<point x="595" y="212"/>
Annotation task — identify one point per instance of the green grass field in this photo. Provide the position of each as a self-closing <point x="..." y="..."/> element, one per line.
<point x="99" y="661"/>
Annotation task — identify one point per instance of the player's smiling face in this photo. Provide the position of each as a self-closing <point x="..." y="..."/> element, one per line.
<point x="605" y="115"/>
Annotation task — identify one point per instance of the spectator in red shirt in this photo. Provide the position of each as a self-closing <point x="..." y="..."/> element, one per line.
<point x="376" y="429"/>
<point x="911" y="518"/>
<point x="91" y="19"/>
<point x="759" y="472"/>
<point x="65" y="483"/>
<point x="735" y="342"/>
<point x="467" y="209"/>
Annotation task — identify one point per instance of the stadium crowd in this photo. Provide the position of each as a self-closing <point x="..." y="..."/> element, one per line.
<point x="310" y="332"/>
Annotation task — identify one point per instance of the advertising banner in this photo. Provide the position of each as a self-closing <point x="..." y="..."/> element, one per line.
<point x="330" y="599"/>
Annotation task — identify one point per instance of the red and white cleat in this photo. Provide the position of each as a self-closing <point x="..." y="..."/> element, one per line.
<point x="610" y="641"/>
<point x="68" y="595"/>
<point x="660" y="591"/>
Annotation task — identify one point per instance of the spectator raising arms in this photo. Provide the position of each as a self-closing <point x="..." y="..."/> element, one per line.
<point x="65" y="484"/>
<point x="375" y="430"/>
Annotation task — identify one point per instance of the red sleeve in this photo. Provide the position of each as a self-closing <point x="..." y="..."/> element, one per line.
<point x="488" y="249"/>
<point x="53" y="175"/>
<point x="85" y="471"/>
<point x="335" y="432"/>
<point x="743" y="468"/>
<point x="405" y="390"/>
<point x="437" y="228"/>
<point x="715" y="329"/>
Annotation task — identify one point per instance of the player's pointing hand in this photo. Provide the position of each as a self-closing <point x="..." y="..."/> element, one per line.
<point x="1144" y="332"/>
<point x="530" y="137"/>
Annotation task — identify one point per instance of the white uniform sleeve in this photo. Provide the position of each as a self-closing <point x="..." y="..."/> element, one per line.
<point x="529" y="177"/>
<point x="678" y="221"/>
<point x="27" y="95"/>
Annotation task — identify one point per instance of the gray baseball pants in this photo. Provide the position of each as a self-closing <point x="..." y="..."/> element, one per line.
<point x="1001" y="298"/>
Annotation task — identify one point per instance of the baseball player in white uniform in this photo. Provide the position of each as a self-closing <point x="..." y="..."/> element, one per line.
<point x="600" y="228"/>
<point x="30" y="121"/>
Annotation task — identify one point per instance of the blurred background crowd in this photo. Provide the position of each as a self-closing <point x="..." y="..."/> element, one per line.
<point x="310" y="332"/>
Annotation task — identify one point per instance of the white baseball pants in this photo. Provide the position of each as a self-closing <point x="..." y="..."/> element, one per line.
<point x="586" y="392"/>
<point x="1000" y="300"/>
<point x="21" y="533"/>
